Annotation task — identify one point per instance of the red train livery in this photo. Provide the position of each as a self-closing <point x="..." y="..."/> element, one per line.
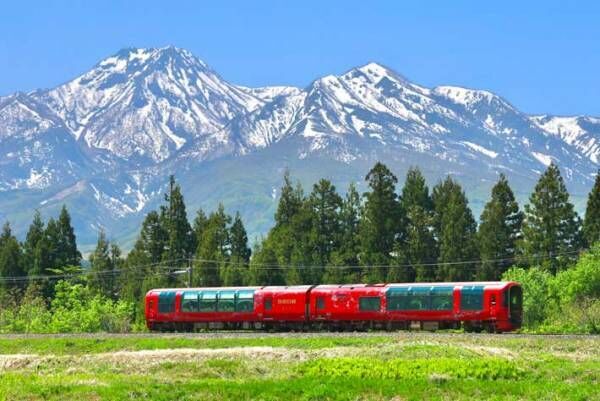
<point x="476" y="306"/>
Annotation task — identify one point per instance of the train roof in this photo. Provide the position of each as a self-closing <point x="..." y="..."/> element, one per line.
<point x="295" y="288"/>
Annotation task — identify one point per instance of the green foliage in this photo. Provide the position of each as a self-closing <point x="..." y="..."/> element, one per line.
<point x="591" y="222"/>
<point x="455" y="230"/>
<point x="499" y="231"/>
<point x="74" y="309"/>
<point x="551" y="229"/>
<point x="401" y="369"/>
<point x="11" y="257"/>
<point x="538" y="297"/>
<point x="102" y="268"/>
<point x="381" y="222"/>
<point x="567" y="302"/>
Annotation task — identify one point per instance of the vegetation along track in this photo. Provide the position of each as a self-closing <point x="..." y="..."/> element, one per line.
<point x="306" y="366"/>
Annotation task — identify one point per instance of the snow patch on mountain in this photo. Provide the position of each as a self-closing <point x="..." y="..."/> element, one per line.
<point x="481" y="149"/>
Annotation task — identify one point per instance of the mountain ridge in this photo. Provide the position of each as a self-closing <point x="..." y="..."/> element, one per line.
<point x="104" y="141"/>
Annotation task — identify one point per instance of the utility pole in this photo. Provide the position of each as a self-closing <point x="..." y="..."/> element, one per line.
<point x="189" y="283"/>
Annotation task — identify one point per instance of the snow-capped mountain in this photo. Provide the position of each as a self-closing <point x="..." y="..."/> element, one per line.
<point x="148" y="103"/>
<point x="106" y="141"/>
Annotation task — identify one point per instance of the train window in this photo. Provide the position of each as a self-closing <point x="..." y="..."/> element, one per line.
<point x="226" y="301"/>
<point x="419" y="298"/>
<point x="320" y="303"/>
<point x="189" y="302"/>
<point x="244" y="301"/>
<point x="397" y="298"/>
<point x="369" y="304"/>
<point x="268" y="303"/>
<point x="208" y="301"/>
<point x="166" y="302"/>
<point x="471" y="298"/>
<point x="442" y="298"/>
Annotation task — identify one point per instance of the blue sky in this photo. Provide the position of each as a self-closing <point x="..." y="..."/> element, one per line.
<point x="544" y="56"/>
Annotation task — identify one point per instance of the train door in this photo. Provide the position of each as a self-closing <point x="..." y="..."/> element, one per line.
<point x="515" y="305"/>
<point x="268" y="306"/>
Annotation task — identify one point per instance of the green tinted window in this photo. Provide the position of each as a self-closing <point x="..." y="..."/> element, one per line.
<point x="471" y="298"/>
<point x="369" y="303"/>
<point x="397" y="298"/>
<point x="442" y="298"/>
<point x="226" y="301"/>
<point x="190" y="302"/>
<point x="244" y="301"/>
<point x="208" y="301"/>
<point x="166" y="302"/>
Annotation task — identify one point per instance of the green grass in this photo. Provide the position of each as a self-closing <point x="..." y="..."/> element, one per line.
<point x="318" y="367"/>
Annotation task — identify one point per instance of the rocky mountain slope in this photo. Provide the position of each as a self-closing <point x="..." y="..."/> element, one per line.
<point x="105" y="142"/>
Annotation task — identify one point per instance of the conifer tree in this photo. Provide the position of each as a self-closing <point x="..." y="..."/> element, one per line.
<point x="213" y="251"/>
<point x="235" y="271"/>
<point x="290" y="230"/>
<point x="324" y="203"/>
<point x="304" y="269"/>
<point x="67" y="253"/>
<point x="102" y="277"/>
<point x="591" y="222"/>
<point x="180" y="237"/>
<point x="344" y="265"/>
<point x="419" y="250"/>
<point x="33" y="238"/>
<point x="455" y="230"/>
<point x="290" y="201"/>
<point x="11" y="258"/>
<point x="379" y="226"/>
<point x="499" y="231"/>
<point x="552" y="233"/>
<point x="199" y="226"/>
<point x="415" y="191"/>
<point x="142" y="270"/>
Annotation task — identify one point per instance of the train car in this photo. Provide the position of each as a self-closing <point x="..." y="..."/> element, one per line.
<point x="352" y="306"/>
<point x="476" y="306"/>
<point x="202" y="308"/>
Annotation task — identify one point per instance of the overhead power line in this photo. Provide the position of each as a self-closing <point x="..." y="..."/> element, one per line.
<point x="174" y="266"/>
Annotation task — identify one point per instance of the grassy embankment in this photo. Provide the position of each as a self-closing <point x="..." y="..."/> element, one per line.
<point x="317" y="367"/>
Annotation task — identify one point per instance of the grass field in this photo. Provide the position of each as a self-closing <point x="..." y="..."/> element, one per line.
<point x="404" y="366"/>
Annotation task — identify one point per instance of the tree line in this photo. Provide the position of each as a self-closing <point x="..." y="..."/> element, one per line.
<point x="387" y="234"/>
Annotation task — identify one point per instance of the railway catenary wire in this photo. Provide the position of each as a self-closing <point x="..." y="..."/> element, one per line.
<point x="171" y="268"/>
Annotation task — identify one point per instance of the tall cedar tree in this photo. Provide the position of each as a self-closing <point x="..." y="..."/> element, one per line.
<point x="456" y="232"/>
<point x="236" y="271"/>
<point x="344" y="265"/>
<point x="289" y="231"/>
<point x="67" y="255"/>
<point x="325" y="231"/>
<point x="35" y="233"/>
<point x="499" y="231"/>
<point x="304" y="268"/>
<point x="420" y="249"/>
<point x="180" y="237"/>
<point x="552" y="229"/>
<point x="591" y="222"/>
<point x="380" y="225"/>
<point x="102" y="269"/>
<point x="11" y="258"/>
<point x="199" y="226"/>
<point x="213" y="252"/>
<point x="142" y="270"/>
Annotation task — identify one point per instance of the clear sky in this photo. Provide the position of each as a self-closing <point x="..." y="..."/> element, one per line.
<point x="543" y="56"/>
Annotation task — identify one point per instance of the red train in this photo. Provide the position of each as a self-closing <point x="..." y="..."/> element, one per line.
<point x="476" y="306"/>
